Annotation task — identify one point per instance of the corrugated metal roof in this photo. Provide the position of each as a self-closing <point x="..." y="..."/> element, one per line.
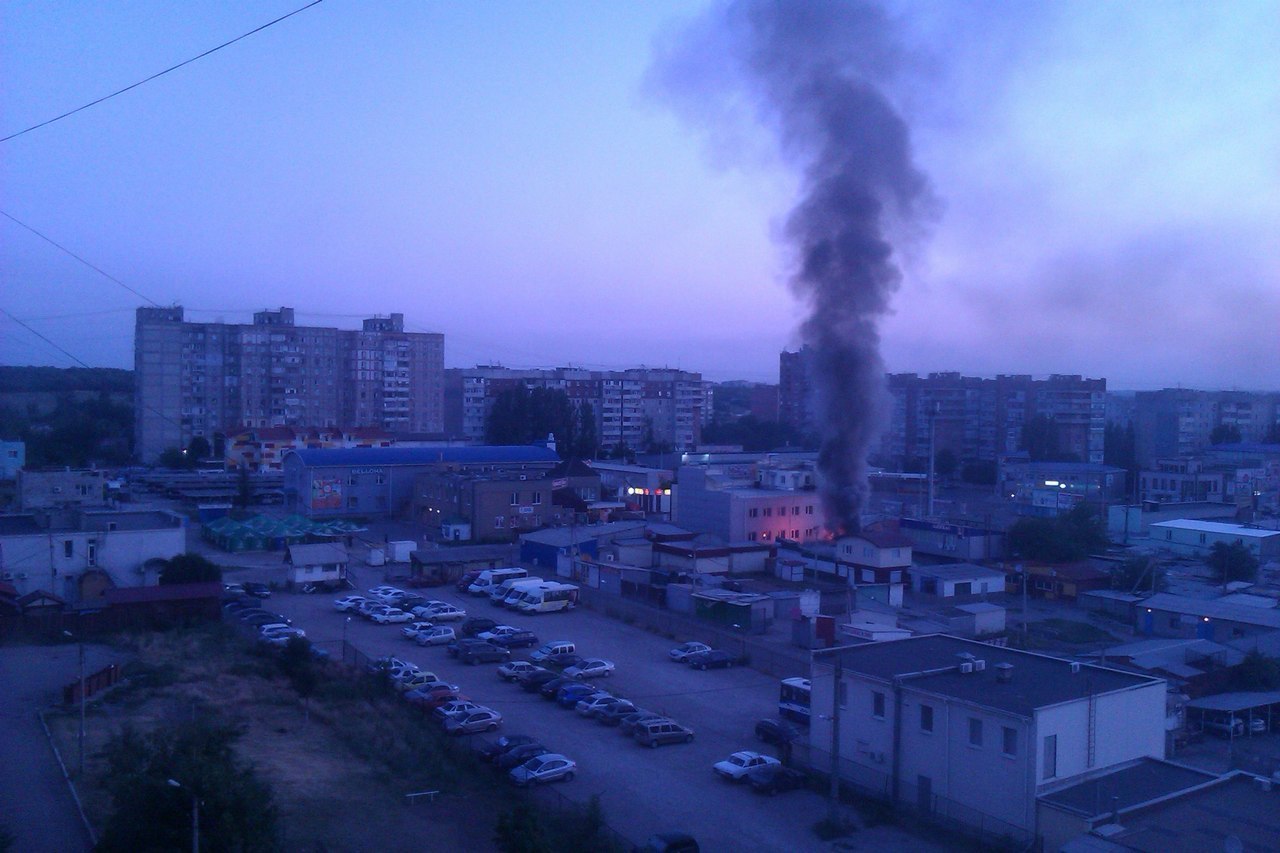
<point x="1170" y="603"/>
<point x="473" y="455"/>
<point x="1216" y="527"/>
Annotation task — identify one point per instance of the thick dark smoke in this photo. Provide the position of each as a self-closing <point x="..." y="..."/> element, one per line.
<point x="814" y="72"/>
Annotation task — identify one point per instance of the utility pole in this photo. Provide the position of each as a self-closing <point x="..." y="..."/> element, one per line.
<point x="80" y="739"/>
<point x="835" y="740"/>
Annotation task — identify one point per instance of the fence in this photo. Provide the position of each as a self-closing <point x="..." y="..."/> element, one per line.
<point x="922" y="805"/>
<point x="778" y="662"/>
<point x="100" y="680"/>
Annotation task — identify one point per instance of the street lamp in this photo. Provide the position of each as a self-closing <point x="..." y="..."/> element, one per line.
<point x="345" y="623"/>
<point x="195" y="815"/>
<point x="80" y="740"/>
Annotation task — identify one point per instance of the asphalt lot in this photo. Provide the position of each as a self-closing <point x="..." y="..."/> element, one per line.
<point x="642" y="790"/>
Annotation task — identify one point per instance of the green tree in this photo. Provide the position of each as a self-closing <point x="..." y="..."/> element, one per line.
<point x="588" y="443"/>
<point x="753" y="434"/>
<point x="522" y="416"/>
<point x="1232" y="563"/>
<point x="199" y="448"/>
<point x="1064" y="539"/>
<point x="244" y="487"/>
<point x="1257" y="672"/>
<point x="299" y="665"/>
<point x="153" y="777"/>
<point x="1042" y="442"/>
<point x="1138" y="573"/>
<point x="190" y="568"/>
<point x="1225" y="434"/>
<point x="980" y="472"/>
<point x="176" y="458"/>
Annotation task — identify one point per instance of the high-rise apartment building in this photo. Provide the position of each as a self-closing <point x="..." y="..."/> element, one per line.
<point x="201" y="379"/>
<point x="1179" y="422"/>
<point x="634" y="407"/>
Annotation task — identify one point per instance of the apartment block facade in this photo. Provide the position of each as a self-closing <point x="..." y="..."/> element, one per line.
<point x="1179" y="422"/>
<point x="634" y="406"/>
<point x="200" y="379"/>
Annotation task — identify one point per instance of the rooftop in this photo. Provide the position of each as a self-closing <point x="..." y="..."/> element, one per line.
<point x="957" y="572"/>
<point x="474" y="455"/>
<point x="1038" y="681"/>
<point x="1170" y="603"/>
<point x="1140" y="782"/>
<point x="319" y="552"/>
<point x="1219" y="527"/>
<point x="562" y="537"/>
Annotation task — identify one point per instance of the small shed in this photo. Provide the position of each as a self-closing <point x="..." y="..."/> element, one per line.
<point x="956" y="580"/>
<point x="741" y="611"/>
<point x="323" y="562"/>
<point x="977" y="619"/>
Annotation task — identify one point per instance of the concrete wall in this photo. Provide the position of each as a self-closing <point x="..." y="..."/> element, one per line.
<point x="1127" y="724"/>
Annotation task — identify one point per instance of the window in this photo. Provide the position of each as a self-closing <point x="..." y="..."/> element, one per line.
<point x="537" y="498"/>
<point x="877" y="705"/>
<point x="795" y="510"/>
<point x="754" y="512"/>
<point x="1009" y="743"/>
<point x="975" y="732"/>
<point x="751" y="537"/>
<point x="1050" y="756"/>
<point x="926" y="718"/>
<point x="808" y="510"/>
<point x="68" y="548"/>
<point x="768" y="512"/>
<point x="352" y="502"/>
<point x="515" y="498"/>
<point x="499" y="521"/>
<point x="351" y="480"/>
<point x="381" y="480"/>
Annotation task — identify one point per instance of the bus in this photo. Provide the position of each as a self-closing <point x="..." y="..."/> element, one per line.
<point x="793" y="699"/>
<point x="490" y="578"/>
<point x="507" y="593"/>
<point x="548" y="598"/>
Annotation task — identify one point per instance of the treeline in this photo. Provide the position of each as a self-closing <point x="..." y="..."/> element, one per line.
<point x="56" y="379"/>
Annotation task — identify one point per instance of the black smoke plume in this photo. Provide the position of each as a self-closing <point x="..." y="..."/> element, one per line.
<point x="815" y="72"/>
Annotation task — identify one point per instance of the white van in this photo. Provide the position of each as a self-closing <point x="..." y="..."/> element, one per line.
<point x="547" y="598"/>
<point x="490" y="578"/>
<point x="511" y="591"/>
<point x="555" y="647"/>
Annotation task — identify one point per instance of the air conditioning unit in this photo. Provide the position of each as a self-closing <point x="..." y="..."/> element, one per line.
<point x="966" y="667"/>
<point x="1075" y="667"/>
<point x="979" y="665"/>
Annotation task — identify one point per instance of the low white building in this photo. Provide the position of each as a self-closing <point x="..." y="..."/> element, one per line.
<point x="322" y="562"/>
<point x="956" y="580"/>
<point x="973" y="732"/>
<point x="77" y="554"/>
<point x="1197" y="538"/>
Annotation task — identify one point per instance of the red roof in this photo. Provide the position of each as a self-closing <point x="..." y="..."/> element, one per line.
<point x="168" y="592"/>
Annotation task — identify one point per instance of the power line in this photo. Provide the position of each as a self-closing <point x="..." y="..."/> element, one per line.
<point x="43" y="338"/>
<point x="160" y="73"/>
<point x="63" y="248"/>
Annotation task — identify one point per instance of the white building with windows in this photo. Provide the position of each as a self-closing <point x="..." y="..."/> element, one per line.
<point x="973" y="732"/>
<point x="1196" y="538"/>
<point x="755" y="502"/>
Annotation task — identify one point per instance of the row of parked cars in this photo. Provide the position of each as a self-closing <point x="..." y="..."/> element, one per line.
<point x="268" y="628"/>
<point x="702" y="656"/>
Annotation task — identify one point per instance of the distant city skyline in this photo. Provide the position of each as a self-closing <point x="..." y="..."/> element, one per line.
<point x="1108" y="178"/>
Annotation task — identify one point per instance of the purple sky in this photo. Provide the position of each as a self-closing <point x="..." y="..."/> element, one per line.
<point x="1109" y="176"/>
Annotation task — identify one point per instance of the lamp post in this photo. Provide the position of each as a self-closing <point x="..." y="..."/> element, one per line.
<point x="345" y="623"/>
<point x="80" y="738"/>
<point x="195" y="815"/>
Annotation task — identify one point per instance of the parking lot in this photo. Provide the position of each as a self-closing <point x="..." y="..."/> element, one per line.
<point x="642" y="790"/>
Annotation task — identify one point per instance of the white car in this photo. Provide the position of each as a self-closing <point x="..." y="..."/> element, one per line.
<point x="682" y="652"/>
<point x="595" y="703"/>
<point x="736" y="767"/>
<point x="348" y="603"/>
<point x="497" y="631"/>
<point x="473" y="722"/>
<point x="440" y="611"/>
<point x="411" y="631"/>
<point x="436" y="636"/>
<point x="414" y="680"/>
<point x="544" y="768"/>
<point x="513" y="669"/>
<point x="591" y="668"/>
<point x="379" y="591"/>
<point x="281" y="638"/>
<point x="457" y="706"/>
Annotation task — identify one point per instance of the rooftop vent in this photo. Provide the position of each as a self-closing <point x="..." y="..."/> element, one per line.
<point x="1004" y="673"/>
<point x="1075" y="667"/>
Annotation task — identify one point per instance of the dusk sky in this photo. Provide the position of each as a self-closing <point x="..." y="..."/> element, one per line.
<point x="509" y="174"/>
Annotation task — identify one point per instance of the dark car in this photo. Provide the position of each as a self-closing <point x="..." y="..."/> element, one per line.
<point x="519" y="755"/>
<point x="520" y="639"/>
<point x="773" y="778"/>
<point x="534" y="682"/>
<point x="506" y="742"/>
<point x="551" y="687"/>
<point x="483" y="653"/>
<point x="455" y="647"/>
<point x="627" y="725"/>
<point x="475" y="625"/>
<point x="613" y="715"/>
<point x="564" y="660"/>
<point x="257" y="590"/>
<point x="669" y="842"/>
<point x="714" y="659"/>
<point x="776" y="731"/>
<point x="569" y="695"/>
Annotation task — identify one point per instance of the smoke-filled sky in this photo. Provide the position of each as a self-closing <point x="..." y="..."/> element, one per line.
<point x="1107" y="177"/>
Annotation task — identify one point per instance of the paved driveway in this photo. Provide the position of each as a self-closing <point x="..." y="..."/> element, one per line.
<point x="35" y="803"/>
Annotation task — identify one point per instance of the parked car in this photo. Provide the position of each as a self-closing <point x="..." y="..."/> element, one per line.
<point x="504" y="744"/>
<point x="1231" y="727"/>
<point x="497" y="631"/>
<point x="551" y="767"/>
<point x="475" y="625"/>
<point x="387" y="664"/>
<point x="455" y="648"/>
<point x="556" y="647"/>
<point x="776" y="731"/>
<point x="440" y="611"/>
<point x="369" y="610"/>
<point x="391" y="614"/>
<point x="233" y="588"/>
<point x="591" y="668"/>
<point x="282" y="637"/>
<point x="458" y="706"/>
<point x="410" y="631"/>
<point x="613" y="715"/>
<point x="657" y="732"/>
<point x="348" y="603"/>
<point x="564" y="660"/>
<point x="681" y="653"/>
<point x="775" y="778"/>
<point x="570" y="694"/>
<point x="435" y="636"/>
<point x="431" y="696"/>
<point x="519" y="755"/>
<point x="550" y="687"/>
<point x="413" y="679"/>
<point x="669" y="842"/>
<point x="483" y="653"/>
<point x="512" y="670"/>
<point x="714" y="659"/>
<point x="484" y="720"/>
<point x="736" y="767"/>
<point x="628" y="724"/>
<point x="256" y="589"/>
<point x="379" y="591"/>
<point x="520" y="639"/>
<point x="593" y="705"/>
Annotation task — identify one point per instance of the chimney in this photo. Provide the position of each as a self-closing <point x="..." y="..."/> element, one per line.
<point x="1004" y="673"/>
